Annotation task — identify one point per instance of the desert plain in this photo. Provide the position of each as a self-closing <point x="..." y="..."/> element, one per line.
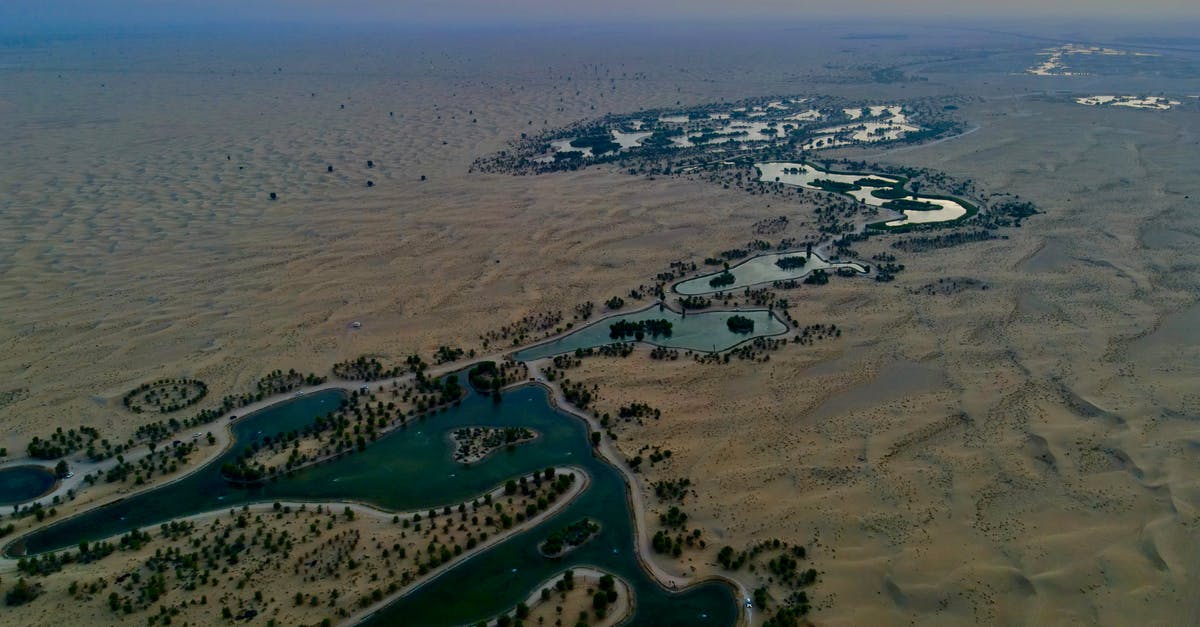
<point x="1004" y="434"/>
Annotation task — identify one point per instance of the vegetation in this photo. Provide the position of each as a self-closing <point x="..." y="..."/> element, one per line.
<point x="165" y="395"/>
<point x="447" y="354"/>
<point x="669" y="490"/>
<point x="622" y="329"/>
<point x="740" y="324"/>
<point x="890" y="193"/>
<point x="722" y="280"/>
<point x="902" y="204"/>
<point x="364" y="369"/>
<point x="599" y="144"/>
<point x="817" y="277"/>
<point x="664" y="542"/>
<point x="170" y="573"/>
<point x="834" y="186"/>
<point x="21" y="593"/>
<point x="485" y="377"/>
<point x="673" y="518"/>
<point x="360" y="420"/>
<point x="948" y="240"/>
<point x="729" y="560"/>
<point x="569" y="537"/>
<point x="791" y="261"/>
<point x="62" y="443"/>
<point x="472" y="444"/>
<point x="638" y="410"/>
<point x="530" y="327"/>
<point x="280" y="382"/>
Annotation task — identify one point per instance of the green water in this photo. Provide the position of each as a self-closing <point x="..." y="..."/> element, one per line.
<point x="24" y="483"/>
<point x="762" y="269"/>
<point x="411" y="469"/>
<point x="705" y="331"/>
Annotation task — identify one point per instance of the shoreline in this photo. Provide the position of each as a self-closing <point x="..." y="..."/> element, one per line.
<point x="666" y="582"/>
<point x="577" y="488"/>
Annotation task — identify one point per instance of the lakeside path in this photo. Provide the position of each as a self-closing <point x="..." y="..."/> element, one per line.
<point x="637" y="505"/>
<point x="618" y="612"/>
<point x="384" y="516"/>
<point x="223" y="435"/>
<point x="222" y="427"/>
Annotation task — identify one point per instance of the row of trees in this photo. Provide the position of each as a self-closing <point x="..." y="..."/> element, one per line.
<point x="165" y="395"/>
<point x="622" y="329"/>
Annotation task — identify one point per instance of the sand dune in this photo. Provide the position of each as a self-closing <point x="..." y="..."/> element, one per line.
<point x="1021" y="455"/>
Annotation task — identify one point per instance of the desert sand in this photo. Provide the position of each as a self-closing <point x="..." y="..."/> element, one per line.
<point x="1023" y="454"/>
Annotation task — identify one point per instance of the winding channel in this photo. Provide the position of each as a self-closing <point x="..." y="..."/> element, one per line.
<point x="411" y="468"/>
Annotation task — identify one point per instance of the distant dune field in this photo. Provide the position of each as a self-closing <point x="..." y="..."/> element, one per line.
<point x="1024" y="454"/>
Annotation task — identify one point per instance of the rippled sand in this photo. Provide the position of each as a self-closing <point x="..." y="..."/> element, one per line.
<point x="1036" y="463"/>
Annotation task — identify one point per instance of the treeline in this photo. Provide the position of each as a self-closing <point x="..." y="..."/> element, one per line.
<point x="675" y="519"/>
<point x="669" y="490"/>
<point x="792" y="261"/>
<point x="622" y="329"/>
<point x="722" y="280"/>
<point x="487" y="376"/>
<point x="156" y="395"/>
<point x="948" y="240"/>
<point x="62" y="443"/>
<point x="276" y="382"/>
<point x="364" y="369"/>
<point x="351" y="428"/>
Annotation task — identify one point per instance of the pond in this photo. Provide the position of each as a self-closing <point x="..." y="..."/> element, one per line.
<point x="20" y="484"/>
<point x="763" y="269"/>
<point x="936" y="208"/>
<point x="705" y="331"/>
<point x="411" y="468"/>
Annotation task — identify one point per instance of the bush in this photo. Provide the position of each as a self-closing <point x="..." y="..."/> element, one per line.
<point x="22" y="593"/>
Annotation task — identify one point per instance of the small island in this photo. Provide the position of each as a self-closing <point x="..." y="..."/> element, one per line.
<point x="587" y="595"/>
<point x="569" y="538"/>
<point x="792" y="261"/>
<point x="721" y="280"/>
<point x="830" y="185"/>
<point x="622" y="329"/>
<point x="740" y="324"/>
<point x="472" y="444"/>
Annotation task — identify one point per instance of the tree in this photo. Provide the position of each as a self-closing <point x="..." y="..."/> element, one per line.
<point x="22" y="593"/>
<point x="62" y="470"/>
<point x="595" y="438"/>
<point x="760" y="597"/>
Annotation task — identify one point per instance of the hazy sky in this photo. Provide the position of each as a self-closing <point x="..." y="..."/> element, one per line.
<point x="17" y="14"/>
